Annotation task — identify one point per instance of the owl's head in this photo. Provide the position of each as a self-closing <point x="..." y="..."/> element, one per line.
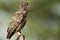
<point x="25" y="5"/>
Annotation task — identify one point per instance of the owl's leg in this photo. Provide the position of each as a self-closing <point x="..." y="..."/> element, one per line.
<point x="19" y="33"/>
<point x="20" y="36"/>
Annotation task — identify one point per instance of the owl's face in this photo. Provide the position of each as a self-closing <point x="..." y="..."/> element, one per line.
<point x="25" y="5"/>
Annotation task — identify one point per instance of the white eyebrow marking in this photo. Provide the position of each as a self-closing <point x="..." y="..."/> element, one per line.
<point x="24" y="12"/>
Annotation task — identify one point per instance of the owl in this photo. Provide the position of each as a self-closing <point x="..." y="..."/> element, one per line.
<point x="18" y="20"/>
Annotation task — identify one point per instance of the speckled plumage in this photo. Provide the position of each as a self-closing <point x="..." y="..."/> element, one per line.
<point x="18" y="20"/>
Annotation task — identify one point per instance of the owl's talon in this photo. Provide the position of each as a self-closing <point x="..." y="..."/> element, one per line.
<point x="19" y="33"/>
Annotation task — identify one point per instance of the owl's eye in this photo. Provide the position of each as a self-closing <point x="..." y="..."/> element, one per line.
<point x="24" y="8"/>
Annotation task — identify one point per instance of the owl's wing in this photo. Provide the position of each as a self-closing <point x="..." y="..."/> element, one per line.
<point x="15" y="22"/>
<point x="22" y="24"/>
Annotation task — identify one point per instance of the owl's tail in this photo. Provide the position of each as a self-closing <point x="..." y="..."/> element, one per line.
<point x="10" y="34"/>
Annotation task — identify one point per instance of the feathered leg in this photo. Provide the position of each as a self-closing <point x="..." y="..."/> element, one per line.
<point x="19" y="33"/>
<point x="20" y="36"/>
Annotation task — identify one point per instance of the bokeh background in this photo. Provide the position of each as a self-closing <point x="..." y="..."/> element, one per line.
<point x="43" y="19"/>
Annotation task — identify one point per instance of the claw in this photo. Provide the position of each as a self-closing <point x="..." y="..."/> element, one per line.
<point x="19" y="33"/>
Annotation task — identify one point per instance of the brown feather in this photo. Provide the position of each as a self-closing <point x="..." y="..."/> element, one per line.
<point x="14" y="24"/>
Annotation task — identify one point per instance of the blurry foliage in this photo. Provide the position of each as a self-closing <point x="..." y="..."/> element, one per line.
<point x="42" y="22"/>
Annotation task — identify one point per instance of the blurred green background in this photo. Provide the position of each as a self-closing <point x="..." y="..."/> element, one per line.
<point x="43" y="19"/>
